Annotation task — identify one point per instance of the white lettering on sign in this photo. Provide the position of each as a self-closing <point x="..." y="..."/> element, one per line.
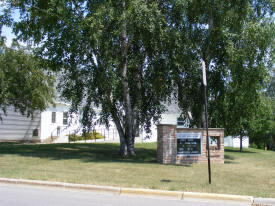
<point x="189" y="135"/>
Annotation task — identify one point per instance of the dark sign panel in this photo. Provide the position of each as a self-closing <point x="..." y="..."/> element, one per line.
<point x="189" y="143"/>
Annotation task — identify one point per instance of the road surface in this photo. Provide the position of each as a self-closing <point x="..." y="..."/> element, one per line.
<point x="14" y="195"/>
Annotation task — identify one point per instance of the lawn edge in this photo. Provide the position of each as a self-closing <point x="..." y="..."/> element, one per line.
<point x="130" y="191"/>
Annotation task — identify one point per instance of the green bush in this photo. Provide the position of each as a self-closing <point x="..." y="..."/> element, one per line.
<point x="87" y="136"/>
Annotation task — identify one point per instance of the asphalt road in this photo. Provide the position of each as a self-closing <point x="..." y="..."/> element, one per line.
<point x="14" y="195"/>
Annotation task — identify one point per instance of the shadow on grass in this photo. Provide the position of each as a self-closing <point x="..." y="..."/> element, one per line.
<point x="86" y="152"/>
<point x="165" y="180"/>
<point x="229" y="162"/>
<point x="228" y="157"/>
<point x="237" y="150"/>
<point x="9" y="143"/>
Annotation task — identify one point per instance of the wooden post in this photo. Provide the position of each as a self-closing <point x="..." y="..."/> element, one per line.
<point x="206" y="119"/>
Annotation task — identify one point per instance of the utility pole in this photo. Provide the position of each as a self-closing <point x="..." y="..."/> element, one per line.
<point x="206" y="118"/>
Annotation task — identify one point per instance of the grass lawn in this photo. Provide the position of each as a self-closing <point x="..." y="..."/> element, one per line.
<point x="249" y="173"/>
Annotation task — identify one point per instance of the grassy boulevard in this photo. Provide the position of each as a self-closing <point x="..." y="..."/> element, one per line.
<point x="249" y="173"/>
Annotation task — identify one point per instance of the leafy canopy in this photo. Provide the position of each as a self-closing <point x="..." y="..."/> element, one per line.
<point x="130" y="56"/>
<point x="24" y="85"/>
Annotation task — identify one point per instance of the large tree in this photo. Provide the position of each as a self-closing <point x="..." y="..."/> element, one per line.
<point x="111" y="53"/>
<point x="249" y="62"/>
<point x="24" y="84"/>
<point x="235" y="40"/>
<point x="129" y="56"/>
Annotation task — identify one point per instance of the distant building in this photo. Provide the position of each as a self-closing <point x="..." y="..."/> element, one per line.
<point x="230" y="141"/>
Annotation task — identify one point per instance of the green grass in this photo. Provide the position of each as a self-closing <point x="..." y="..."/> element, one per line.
<point x="249" y="173"/>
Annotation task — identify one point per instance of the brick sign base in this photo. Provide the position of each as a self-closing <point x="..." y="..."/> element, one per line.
<point x="168" y="153"/>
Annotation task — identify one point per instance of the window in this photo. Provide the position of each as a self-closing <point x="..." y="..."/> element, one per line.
<point x="80" y="114"/>
<point x="137" y="131"/>
<point x="53" y="117"/>
<point x="58" y="131"/>
<point x="35" y="133"/>
<point x="214" y="143"/>
<point x="180" y="122"/>
<point x="65" y="118"/>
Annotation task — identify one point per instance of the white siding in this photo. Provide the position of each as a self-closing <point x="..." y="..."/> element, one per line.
<point x="49" y="129"/>
<point x="166" y="118"/>
<point x="169" y="118"/>
<point x="153" y="135"/>
<point x="229" y="141"/>
<point x="171" y="115"/>
<point x="15" y="126"/>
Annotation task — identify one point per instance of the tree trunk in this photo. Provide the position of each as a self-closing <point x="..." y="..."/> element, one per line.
<point x="125" y="87"/>
<point x="122" y="139"/>
<point x="241" y="143"/>
<point x="118" y="122"/>
<point x="130" y="145"/>
<point x="123" y="147"/>
<point x="126" y="143"/>
<point x="135" y="114"/>
<point x="131" y="142"/>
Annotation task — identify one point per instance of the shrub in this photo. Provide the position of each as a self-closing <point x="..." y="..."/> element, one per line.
<point x="87" y="136"/>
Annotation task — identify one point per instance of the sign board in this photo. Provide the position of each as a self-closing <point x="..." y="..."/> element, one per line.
<point x="189" y="143"/>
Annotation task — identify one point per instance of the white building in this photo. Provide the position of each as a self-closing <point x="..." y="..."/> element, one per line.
<point x="230" y="141"/>
<point x="18" y="127"/>
<point x="55" y="124"/>
<point x="42" y="127"/>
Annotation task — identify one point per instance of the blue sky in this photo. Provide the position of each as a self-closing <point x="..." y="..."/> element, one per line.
<point x="7" y="32"/>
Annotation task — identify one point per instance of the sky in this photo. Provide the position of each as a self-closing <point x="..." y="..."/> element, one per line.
<point x="7" y="32"/>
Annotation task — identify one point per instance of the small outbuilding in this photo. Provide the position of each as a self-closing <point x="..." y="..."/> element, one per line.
<point x="231" y="141"/>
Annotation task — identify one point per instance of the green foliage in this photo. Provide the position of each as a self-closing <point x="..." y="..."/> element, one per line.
<point x="262" y="126"/>
<point x="249" y="64"/>
<point x="247" y="111"/>
<point x="235" y="40"/>
<point x="23" y="81"/>
<point x="130" y="56"/>
<point x="87" y="136"/>
<point x="112" y="55"/>
<point x="271" y="84"/>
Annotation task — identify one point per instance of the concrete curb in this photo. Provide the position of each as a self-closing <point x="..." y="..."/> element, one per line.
<point x="132" y="191"/>
<point x="264" y="201"/>
<point x="135" y="191"/>
<point x="239" y="198"/>
<point x="115" y="190"/>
